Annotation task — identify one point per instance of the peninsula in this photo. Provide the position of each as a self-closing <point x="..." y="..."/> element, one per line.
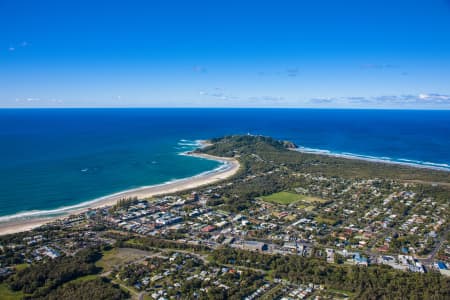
<point x="275" y="223"/>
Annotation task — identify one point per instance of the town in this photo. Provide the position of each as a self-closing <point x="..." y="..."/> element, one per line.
<point x="160" y="248"/>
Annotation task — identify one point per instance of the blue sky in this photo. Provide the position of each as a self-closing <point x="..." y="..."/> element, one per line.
<point x="380" y="54"/>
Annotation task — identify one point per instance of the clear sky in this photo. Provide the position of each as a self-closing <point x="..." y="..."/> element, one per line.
<point x="317" y="53"/>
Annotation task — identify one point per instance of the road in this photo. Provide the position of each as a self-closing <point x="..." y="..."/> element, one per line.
<point x="143" y="256"/>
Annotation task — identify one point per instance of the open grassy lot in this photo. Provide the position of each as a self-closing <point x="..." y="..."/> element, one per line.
<point x="20" y="267"/>
<point x="311" y="199"/>
<point x="306" y="207"/>
<point x="283" y="198"/>
<point x="328" y="221"/>
<point x="85" y="278"/>
<point x="287" y="198"/>
<point x="121" y="256"/>
<point x="7" y="294"/>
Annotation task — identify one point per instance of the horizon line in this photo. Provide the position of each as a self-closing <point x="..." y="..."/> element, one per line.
<point x="222" y="107"/>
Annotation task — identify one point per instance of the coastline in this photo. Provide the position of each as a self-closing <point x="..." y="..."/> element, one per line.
<point x="382" y="160"/>
<point x="229" y="167"/>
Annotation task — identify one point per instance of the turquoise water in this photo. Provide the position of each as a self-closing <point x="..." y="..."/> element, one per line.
<point x="57" y="158"/>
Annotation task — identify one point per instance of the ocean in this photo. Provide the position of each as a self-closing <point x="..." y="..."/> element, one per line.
<point x="55" y="158"/>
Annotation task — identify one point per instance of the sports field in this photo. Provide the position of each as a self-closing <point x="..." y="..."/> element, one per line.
<point x="287" y="198"/>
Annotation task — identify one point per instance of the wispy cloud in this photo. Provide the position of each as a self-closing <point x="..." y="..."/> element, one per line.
<point x="118" y="99"/>
<point x="266" y="99"/>
<point x="422" y="100"/>
<point x="200" y="69"/>
<point x="322" y="100"/>
<point x="33" y="101"/>
<point x="379" y="66"/>
<point x="16" y="46"/>
<point x="406" y="100"/>
<point x="292" y="72"/>
<point x="434" y="97"/>
<point x="218" y="94"/>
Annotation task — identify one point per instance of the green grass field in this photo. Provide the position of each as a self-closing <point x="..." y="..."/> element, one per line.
<point x="328" y="221"/>
<point x="85" y="278"/>
<point x="287" y="198"/>
<point x="7" y="294"/>
<point x="20" y="267"/>
<point x="283" y="198"/>
<point x="109" y="260"/>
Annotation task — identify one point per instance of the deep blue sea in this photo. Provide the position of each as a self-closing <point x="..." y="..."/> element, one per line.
<point x="53" y="158"/>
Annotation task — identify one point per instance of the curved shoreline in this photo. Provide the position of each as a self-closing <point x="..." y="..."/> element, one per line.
<point x="385" y="160"/>
<point x="228" y="168"/>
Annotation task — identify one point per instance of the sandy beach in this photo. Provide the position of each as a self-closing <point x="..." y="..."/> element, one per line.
<point x="230" y="167"/>
<point x="369" y="159"/>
